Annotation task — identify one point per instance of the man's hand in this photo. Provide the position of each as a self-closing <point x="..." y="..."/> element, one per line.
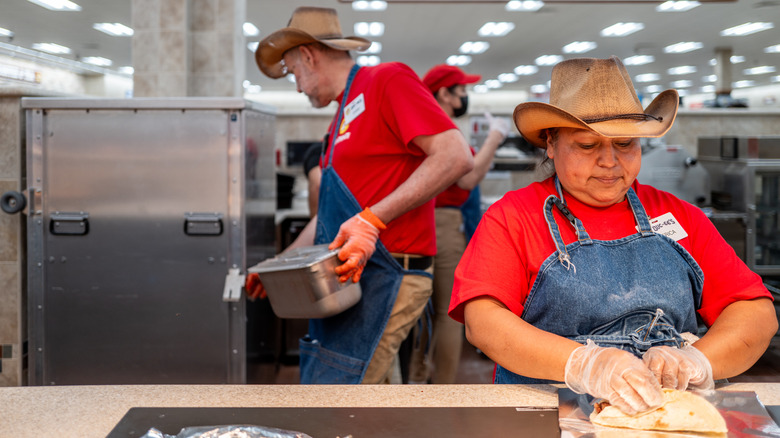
<point x="614" y="375"/>
<point x="357" y="238"/>
<point x="679" y="368"/>
<point x="254" y="289"/>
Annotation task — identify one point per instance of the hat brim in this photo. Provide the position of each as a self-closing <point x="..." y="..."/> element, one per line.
<point x="271" y="49"/>
<point x="531" y="118"/>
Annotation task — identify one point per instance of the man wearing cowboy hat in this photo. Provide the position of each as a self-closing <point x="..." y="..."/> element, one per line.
<point x="591" y="256"/>
<point x="389" y="150"/>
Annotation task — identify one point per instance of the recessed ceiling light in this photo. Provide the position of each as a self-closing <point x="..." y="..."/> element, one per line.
<point x="621" y="29"/>
<point x="647" y="77"/>
<point x="682" y="84"/>
<point x="253" y="46"/>
<point x="710" y="78"/>
<point x="113" y="29"/>
<point x="683" y="47"/>
<point x="737" y="59"/>
<point x="57" y="5"/>
<point x="375" y="5"/>
<point x="676" y="6"/>
<point x="548" y="59"/>
<point x="493" y="83"/>
<point x="524" y="5"/>
<point x="682" y="70"/>
<point x="495" y="29"/>
<point x="639" y="60"/>
<point x="708" y="89"/>
<point x="653" y="88"/>
<point x="508" y="77"/>
<point x="374" y="48"/>
<point x="759" y="70"/>
<point x="481" y="88"/>
<point x="474" y="47"/>
<point x="97" y="60"/>
<point x="746" y="29"/>
<point x="539" y="89"/>
<point x="772" y="49"/>
<point x="526" y="70"/>
<point x="51" y="48"/>
<point x="368" y="60"/>
<point x="373" y="28"/>
<point x="459" y="60"/>
<point x="6" y="32"/>
<point x="742" y="84"/>
<point x="579" y="47"/>
<point x="250" y="30"/>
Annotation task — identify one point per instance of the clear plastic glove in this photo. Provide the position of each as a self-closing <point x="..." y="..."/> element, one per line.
<point x="357" y="238"/>
<point x="614" y="375"/>
<point x="497" y="124"/>
<point x="679" y="368"/>
<point x="254" y="288"/>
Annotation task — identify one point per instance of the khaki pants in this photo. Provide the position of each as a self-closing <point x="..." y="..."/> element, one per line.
<point x="441" y="363"/>
<point x="412" y="297"/>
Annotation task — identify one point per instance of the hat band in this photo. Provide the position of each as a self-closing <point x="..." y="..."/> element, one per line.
<point x="624" y="116"/>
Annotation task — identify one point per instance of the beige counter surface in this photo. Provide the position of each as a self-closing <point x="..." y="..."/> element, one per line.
<point x="93" y="411"/>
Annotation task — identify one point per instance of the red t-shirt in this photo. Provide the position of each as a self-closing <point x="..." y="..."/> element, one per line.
<point x="374" y="152"/>
<point x="513" y="240"/>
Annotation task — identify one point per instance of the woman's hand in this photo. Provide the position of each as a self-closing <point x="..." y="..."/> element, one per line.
<point x="614" y="375"/>
<point x="679" y="368"/>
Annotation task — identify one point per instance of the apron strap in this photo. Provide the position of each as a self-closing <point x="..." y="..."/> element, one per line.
<point x="340" y="116"/>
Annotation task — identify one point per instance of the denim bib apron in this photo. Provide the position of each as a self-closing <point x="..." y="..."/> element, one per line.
<point x="338" y="349"/>
<point x="633" y="293"/>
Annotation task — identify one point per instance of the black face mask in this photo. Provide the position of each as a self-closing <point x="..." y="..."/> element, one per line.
<point x="464" y="106"/>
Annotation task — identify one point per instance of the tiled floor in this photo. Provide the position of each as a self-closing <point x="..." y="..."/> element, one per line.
<point x="476" y="368"/>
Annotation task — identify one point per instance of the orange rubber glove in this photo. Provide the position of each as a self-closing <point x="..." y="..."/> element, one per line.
<point x="614" y="375"/>
<point x="357" y="238"/>
<point x="254" y="289"/>
<point x="679" y="368"/>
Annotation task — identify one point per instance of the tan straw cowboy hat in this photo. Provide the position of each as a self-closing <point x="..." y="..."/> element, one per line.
<point x="307" y="25"/>
<point x="598" y="95"/>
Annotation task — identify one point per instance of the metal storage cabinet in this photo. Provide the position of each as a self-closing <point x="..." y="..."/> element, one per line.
<point x="135" y="216"/>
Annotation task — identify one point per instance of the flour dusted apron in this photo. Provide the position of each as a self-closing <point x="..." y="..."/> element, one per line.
<point x="632" y="293"/>
<point x="339" y="348"/>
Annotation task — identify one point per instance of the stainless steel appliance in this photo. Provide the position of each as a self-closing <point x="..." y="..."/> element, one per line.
<point x="745" y="181"/>
<point x="137" y="237"/>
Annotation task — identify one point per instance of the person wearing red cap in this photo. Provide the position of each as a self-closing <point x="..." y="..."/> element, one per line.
<point x="448" y="85"/>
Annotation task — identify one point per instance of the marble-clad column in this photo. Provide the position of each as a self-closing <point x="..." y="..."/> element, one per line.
<point x="188" y="48"/>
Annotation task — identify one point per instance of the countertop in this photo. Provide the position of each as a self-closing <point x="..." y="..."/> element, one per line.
<point x="93" y="411"/>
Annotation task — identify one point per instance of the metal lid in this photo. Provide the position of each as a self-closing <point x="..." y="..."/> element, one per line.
<point x="298" y="258"/>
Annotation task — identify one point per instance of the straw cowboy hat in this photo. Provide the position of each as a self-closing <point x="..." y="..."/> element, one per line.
<point x="595" y="94"/>
<point x="307" y="25"/>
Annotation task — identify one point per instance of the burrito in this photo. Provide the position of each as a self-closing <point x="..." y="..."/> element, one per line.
<point x="681" y="411"/>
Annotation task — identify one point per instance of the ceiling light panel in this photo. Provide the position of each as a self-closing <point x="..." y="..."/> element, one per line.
<point x="772" y="49"/>
<point x="375" y="5"/>
<point x="579" y="47"/>
<point x="459" y="60"/>
<point x="743" y="84"/>
<point x="708" y="89"/>
<point x="368" y="60"/>
<point x="97" y="60"/>
<point x="5" y="32"/>
<point x="253" y="46"/>
<point x="495" y="28"/>
<point x="683" y="47"/>
<point x="647" y="77"/>
<point x="548" y="59"/>
<point x="622" y="29"/>
<point x="764" y="69"/>
<point x="373" y="49"/>
<point x="115" y="29"/>
<point x="508" y="77"/>
<point x="539" y="88"/>
<point x="250" y="30"/>
<point x="710" y="78"/>
<point x="369" y="28"/>
<point x="474" y="47"/>
<point x="493" y="83"/>
<point x="526" y="70"/>
<point x="654" y="88"/>
<point x="639" y="60"/>
<point x="57" y="5"/>
<point x="52" y="48"/>
<point x="682" y="84"/>
<point x="524" y="5"/>
<point x="682" y="70"/>
<point x="677" y="6"/>
<point x="747" y="29"/>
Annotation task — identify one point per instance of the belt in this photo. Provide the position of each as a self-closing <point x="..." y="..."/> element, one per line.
<point x="413" y="261"/>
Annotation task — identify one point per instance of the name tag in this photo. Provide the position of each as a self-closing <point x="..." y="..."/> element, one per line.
<point x="667" y="225"/>
<point x="354" y="109"/>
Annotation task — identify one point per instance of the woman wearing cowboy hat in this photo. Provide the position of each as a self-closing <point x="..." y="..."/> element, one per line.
<point x="591" y="256"/>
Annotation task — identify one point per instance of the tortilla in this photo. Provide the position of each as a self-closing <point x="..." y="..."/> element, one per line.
<point x="681" y="411"/>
